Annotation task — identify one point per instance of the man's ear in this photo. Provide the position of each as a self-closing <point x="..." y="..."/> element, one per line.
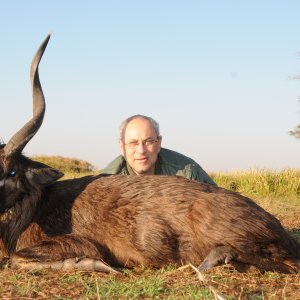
<point x="121" y="144"/>
<point x="159" y="139"/>
<point x="42" y="176"/>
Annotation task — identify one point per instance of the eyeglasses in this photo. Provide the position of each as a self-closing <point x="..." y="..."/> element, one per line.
<point x="147" y="143"/>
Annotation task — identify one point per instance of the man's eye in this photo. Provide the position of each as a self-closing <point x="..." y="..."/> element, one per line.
<point x="149" y="142"/>
<point x="12" y="173"/>
<point x="133" y="144"/>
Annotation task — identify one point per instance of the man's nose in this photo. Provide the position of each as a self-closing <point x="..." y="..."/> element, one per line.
<point x="141" y="147"/>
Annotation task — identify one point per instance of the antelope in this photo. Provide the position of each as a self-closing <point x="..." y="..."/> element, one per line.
<point x="107" y="223"/>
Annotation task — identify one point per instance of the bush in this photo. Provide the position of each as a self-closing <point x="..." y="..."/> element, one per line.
<point x="67" y="165"/>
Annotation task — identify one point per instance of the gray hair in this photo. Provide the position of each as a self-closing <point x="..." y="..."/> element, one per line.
<point x="125" y="123"/>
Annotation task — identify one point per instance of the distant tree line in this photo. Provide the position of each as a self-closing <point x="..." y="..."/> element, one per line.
<point x="296" y="131"/>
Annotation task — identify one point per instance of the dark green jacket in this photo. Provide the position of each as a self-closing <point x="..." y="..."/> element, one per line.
<point x="168" y="163"/>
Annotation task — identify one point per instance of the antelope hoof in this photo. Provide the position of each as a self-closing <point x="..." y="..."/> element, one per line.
<point x="216" y="257"/>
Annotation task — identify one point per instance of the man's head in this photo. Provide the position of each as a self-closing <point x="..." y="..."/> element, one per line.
<point x="140" y="143"/>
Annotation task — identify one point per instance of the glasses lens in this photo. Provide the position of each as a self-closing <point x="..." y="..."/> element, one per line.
<point x="147" y="143"/>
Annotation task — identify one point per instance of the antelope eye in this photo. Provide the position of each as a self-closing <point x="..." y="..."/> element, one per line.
<point x="12" y="173"/>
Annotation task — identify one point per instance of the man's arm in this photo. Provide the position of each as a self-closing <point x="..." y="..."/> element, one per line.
<point x="117" y="166"/>
<point x="199" y="174"/>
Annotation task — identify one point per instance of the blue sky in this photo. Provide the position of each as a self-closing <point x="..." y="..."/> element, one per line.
<point x="216" y="75"/>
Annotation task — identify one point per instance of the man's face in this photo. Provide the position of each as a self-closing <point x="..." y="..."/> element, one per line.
<point x="140" y="146"/>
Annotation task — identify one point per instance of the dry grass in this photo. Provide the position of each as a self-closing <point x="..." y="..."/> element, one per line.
<point x="169" y="283"/>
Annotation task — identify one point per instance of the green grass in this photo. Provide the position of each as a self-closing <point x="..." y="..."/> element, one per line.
<point x="262" y="183"/>
<point x="141" y="283"/>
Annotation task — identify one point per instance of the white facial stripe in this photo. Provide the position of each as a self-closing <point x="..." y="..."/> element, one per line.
<point x="2" y="182"/>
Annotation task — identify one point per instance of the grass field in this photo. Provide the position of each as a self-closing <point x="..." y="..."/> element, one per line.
<point x="277" y="192"/>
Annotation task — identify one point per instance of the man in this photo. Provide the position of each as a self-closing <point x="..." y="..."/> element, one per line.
<point x="142" y="154"/>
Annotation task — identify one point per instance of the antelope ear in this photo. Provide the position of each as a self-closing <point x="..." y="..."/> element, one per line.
<point x="43" y="176"/>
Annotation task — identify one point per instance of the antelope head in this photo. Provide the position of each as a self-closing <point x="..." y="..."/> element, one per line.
<point x="21" y="177"/>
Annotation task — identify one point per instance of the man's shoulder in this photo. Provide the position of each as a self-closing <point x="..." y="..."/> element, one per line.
<point x="174" y="163"/>
<point x="174" y="158"/>
<point x="117" y="166"/>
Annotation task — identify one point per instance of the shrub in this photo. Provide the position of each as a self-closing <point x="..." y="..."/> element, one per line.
<point x="70" y="166"/>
